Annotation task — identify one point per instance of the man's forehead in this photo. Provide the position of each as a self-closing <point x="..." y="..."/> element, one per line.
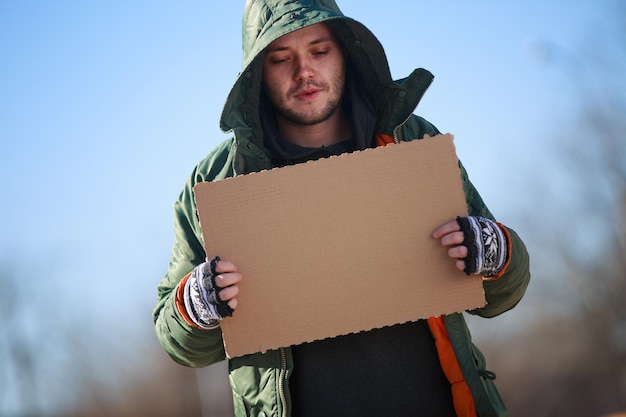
<point x="312" y="34"/>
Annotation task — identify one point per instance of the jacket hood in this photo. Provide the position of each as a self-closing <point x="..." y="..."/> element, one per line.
<point x="266" y="20"/>
<point x="263" y="22"/>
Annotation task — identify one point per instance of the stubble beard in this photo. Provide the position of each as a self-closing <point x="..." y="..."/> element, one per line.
<point x="307" y="118"/>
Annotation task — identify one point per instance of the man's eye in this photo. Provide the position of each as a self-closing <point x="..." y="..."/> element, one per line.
<point x="320" y="53"/>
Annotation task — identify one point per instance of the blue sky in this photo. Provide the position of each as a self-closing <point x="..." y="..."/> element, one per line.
<point x="105" y="107"/>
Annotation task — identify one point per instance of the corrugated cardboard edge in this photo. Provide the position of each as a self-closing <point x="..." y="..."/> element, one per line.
<point x="261" y="326"/>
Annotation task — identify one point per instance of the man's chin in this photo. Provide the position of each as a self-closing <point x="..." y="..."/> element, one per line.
<point x="307" y="118"/>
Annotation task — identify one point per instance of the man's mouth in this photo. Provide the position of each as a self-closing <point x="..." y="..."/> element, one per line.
<point x="307" y="93"/>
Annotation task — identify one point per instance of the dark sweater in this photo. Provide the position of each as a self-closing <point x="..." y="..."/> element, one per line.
<point x="392" y="371"/>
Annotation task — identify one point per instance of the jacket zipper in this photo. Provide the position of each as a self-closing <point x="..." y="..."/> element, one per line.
<point x="397" y="128"/>
<point x="281" y="381"/>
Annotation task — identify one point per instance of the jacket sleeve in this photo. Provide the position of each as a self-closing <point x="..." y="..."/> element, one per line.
<point x="187" y="344"/>
<point x="503" y="293"/>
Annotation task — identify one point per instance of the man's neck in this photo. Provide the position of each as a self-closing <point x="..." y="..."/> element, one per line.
<point x="329" y="132"/>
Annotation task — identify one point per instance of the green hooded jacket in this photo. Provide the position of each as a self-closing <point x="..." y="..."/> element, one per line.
<point x="260" y="381"/>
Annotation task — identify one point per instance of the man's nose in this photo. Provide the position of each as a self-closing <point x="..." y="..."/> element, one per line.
<point x="303" y="68"/>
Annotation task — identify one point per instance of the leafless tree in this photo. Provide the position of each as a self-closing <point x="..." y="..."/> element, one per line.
<point x="17" y="356"/>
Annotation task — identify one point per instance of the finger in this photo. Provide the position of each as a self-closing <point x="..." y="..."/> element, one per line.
<point x="228" y="293"/>
<point x="460" y="265"/>
<point x="225" y="266"/>
<point x="457" y="252"/>
<point x="227" y="279"/>
<point x="453" y="239"/>
<point x="445" y="229"/>
<point x="232" y="303"/>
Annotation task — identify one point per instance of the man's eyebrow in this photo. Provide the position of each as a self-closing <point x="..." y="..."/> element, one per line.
<point x="322" y="40"/>
<point x="279" y="48"/>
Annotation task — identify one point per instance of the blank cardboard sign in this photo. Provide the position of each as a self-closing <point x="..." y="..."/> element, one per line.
<point x="339" y="245"/>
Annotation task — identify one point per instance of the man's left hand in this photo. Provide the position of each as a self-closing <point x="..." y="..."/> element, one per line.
<point x="477" y="244"/>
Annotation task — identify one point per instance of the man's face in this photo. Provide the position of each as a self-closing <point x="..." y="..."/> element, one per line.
<point x="304" y="74"/>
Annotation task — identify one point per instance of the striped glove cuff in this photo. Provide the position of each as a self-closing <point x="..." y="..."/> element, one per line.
<point x="201" y="296"/>
<point x="486" y="246"/>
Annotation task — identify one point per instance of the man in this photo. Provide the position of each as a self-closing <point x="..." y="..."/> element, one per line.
<point x="314" y="84"/>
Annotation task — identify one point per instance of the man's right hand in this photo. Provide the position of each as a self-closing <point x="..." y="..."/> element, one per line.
<point x="211" y="292"/>
<point x="227" y="280"/>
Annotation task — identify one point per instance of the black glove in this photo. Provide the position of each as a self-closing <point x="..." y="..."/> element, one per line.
<point x="486" y="246"/>
<point x="201" y="296"/>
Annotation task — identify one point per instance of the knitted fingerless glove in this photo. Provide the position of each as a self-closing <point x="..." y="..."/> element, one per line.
<point x="201" y="297"/>
<point x="486" y="246"/>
